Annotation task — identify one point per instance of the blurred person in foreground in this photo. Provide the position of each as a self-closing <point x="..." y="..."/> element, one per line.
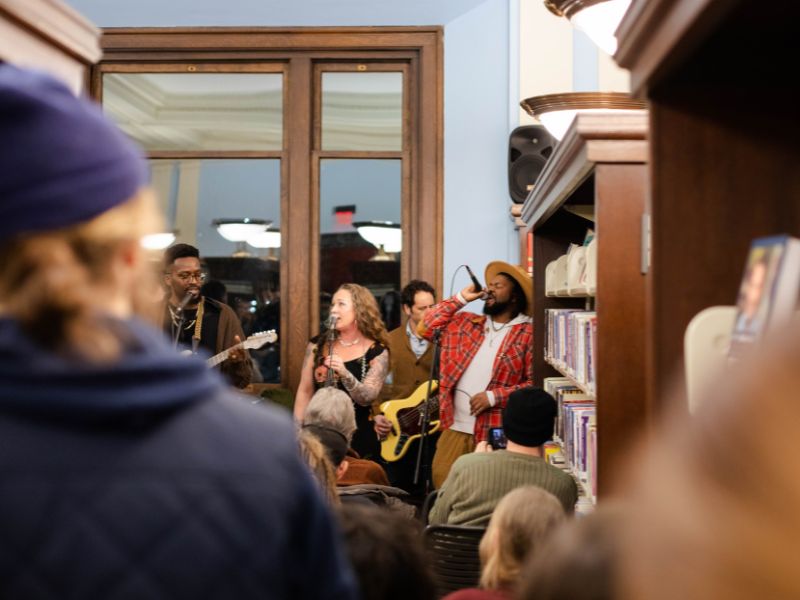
<point x="387" y="554"/>
<point x="127" y="471"/>
<point x="714" y="498"/>
<point x="581" y="559"/>
<point x="518" y="530"/>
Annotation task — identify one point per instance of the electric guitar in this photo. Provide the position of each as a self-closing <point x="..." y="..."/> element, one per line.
<point x="405" y="416"/>
<point x="253" y="342"/>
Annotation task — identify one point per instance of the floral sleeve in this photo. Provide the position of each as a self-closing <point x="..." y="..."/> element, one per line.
<point x="366" y="392"/>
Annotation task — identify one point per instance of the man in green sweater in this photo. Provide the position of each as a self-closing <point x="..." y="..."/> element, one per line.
<point x="478" y="481"/>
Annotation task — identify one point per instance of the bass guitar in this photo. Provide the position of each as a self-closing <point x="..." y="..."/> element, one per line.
<point x="406" y="418"/>
<point x="253" y="342"/>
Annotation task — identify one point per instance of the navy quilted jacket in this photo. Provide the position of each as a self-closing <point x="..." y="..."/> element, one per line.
<point x="146" y="479"/>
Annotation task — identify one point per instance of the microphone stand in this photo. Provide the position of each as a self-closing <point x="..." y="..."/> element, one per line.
<point x="181" y="321"/>
<point x="425" y="416"/>
<point x="329" y="382"/>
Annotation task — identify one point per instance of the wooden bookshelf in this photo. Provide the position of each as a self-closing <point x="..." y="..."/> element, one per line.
<point x="600" y="163"/>
<point x="564" y="373"/>
<point x="724" y="158"/>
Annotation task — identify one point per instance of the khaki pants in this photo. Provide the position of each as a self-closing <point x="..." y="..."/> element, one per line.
<point x="451" y="445"/>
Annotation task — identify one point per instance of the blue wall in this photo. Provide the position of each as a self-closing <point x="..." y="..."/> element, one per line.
<point x="477" y="228"/>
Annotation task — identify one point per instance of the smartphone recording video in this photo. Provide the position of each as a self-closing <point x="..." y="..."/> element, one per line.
<point x="497" y="439"/>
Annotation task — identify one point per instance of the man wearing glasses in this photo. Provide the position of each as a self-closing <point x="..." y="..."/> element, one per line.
<point x="193" y="321"/>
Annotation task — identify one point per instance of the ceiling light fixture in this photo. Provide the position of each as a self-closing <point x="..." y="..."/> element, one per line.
<point x="384" y="235"/>
<point x="557" y="111"/>
<point x="239" y="231"/>
<point x="157" y="241"/>
<point x="598" y="19"/>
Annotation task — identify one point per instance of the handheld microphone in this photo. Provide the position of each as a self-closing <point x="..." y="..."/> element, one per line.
<point x="476" y="285"/>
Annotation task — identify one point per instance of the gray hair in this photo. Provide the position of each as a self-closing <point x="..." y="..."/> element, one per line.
<point x="331" y="407"/>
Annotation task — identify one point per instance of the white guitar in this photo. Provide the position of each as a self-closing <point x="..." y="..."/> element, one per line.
<point x="254" y="342"/>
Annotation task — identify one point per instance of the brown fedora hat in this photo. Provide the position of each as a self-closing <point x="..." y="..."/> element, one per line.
<point x="515" y="272"/>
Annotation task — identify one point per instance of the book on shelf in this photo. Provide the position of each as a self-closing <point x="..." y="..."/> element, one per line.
<point x="769" y="290"/>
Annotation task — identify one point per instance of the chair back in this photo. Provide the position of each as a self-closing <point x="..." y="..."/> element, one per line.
<point x="453" y="555"/>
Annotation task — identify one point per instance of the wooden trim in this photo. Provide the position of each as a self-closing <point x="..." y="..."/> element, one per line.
<point x="58" y="24"/>
<point x="656" y="35"/>
<point x="190" y="67"/>
<point x="299" y="288"/>
<point x="210" y="154"/>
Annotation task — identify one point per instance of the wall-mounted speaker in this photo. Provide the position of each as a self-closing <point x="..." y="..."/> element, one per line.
<point x="529" y="147"/>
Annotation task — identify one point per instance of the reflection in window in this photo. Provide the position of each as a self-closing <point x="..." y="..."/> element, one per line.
<point x="352" y="191"/>
<point x="362" y="111"/>
<point x="196" y="193"/>
<point x="198" y="111"/>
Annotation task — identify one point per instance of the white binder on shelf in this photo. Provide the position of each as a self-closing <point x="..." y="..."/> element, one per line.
<point x="705" y="349"/>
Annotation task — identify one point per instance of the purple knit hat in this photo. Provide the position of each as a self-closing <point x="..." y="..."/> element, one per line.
<point x="61" y="161"/>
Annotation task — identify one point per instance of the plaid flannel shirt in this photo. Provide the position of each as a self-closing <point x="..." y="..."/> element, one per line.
<point x="462" y="335"/>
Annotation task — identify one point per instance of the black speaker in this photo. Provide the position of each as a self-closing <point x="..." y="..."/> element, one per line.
<point x="529" y="147"/>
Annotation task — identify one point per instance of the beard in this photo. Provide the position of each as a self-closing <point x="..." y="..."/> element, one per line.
<point x="496" y="308"/>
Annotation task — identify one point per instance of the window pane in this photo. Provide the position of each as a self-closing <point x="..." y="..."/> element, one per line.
<point x="362" y="111"/>
<point x="198" y="111"/>
<point x="195" y="193"/>
<point x="353" y="192"/>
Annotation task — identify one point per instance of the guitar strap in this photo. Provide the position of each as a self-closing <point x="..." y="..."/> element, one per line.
<point x="198" y="327"/>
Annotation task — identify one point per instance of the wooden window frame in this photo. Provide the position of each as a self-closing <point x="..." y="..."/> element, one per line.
<point x="300" y="51"/>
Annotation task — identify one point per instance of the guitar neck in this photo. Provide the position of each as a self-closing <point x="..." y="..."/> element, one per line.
<point x="222" y="356"/>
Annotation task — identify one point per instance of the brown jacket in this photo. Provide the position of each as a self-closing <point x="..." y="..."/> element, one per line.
<point x="407" y="371"/>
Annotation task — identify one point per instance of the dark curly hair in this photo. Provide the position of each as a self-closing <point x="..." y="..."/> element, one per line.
<point x="411" y="289"/>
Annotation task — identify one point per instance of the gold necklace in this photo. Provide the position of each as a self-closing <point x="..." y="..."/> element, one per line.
<point x="348" y="344"/>
<point x="176" y="320"/>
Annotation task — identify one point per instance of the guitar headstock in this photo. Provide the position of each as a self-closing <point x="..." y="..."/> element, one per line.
<point x="259" y="339"/>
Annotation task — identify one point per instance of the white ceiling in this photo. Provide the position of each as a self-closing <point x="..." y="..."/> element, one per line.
<point x="271" y="13"/>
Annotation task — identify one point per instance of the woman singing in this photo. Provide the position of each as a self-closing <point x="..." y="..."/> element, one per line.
<point x="356" y="361"/>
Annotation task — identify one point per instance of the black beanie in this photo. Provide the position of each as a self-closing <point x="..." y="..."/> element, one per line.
<point x="334" y="442"/>
<point x="529" y="417"/>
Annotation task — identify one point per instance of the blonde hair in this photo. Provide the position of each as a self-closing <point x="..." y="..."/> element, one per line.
<point x="50" y="282"/>
<point x="368" y="315"/>
<point x="313" y="452"/>
<point x="520" y="523"/>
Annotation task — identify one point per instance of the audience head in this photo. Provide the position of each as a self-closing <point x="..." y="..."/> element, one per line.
<point x="387" y="554"/>
<point x="332" y="407"/>
<point x="580" y="561"/>
<point x="316" y="457"/>
<point x="519" y="527"/>
<point x="335" y="445"/>
<point x="529" y="417"/>
<point x="417" y="298"/>
<point x="74" y="205"/>
<point x="715" y="496"/>
<point x="355" y="304"/>
<point x="215" y="290"/>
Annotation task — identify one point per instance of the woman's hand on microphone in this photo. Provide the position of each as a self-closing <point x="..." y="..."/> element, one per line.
<point x="335" y="363"/>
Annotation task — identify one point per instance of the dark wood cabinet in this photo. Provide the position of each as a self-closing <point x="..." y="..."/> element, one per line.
<point x="719" y="78"/>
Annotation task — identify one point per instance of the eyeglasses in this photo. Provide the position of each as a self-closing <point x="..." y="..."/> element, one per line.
<point x="186" y="276"/>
